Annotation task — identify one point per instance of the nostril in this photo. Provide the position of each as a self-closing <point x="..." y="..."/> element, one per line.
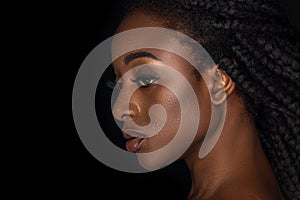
<point x="135" y="109"/>
<point x="125" y="117"/>
<point x="122" y="112"/>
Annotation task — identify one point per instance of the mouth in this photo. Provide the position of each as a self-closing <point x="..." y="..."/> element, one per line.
<point x="134" y="140"/>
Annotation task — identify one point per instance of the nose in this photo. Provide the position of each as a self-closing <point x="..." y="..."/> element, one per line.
<point x="125" y="110"/>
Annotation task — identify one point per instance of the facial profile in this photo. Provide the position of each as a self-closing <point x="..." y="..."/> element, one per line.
<point x="152" y="77"/>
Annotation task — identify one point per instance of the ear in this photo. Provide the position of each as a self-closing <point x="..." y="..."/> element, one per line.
<point x="222" y="86"/>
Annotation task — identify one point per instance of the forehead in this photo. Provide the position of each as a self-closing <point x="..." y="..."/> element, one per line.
<point x="134" y="34"/>
<point x="138" y="19"/>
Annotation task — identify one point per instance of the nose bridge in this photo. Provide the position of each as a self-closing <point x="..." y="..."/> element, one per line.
<point x="124" y="107"/>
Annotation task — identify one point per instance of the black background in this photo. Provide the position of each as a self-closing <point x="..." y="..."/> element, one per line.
<point x="80" y="170"/>
<point x="71" y="170"/>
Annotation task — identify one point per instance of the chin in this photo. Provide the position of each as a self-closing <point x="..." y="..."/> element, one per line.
<point x="157" y="159"/>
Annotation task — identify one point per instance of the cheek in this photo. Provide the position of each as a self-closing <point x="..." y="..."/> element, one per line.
<point x="205" y="114"/>
<point x="163" y="96"/>
<point x="146" y="97"/>
<point x="205" y="108"/>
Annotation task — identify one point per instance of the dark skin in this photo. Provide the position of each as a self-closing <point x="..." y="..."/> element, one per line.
<point x="237" y="167"/>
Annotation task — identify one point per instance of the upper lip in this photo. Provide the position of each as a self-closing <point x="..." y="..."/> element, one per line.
<point x="132" y="133"/>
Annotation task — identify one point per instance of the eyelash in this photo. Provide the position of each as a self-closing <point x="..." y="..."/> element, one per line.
<point x="112" y="84"/>
<point x="139" y="80"/>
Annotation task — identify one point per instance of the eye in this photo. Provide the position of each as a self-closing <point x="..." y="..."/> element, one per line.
<point x="112" y="84"/>
<point x="145" y="80"/>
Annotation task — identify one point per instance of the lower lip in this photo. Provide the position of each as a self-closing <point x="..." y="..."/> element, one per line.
<point x="134" y="144"/>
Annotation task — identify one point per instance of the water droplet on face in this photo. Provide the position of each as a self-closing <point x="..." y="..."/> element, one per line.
<point x="154" y="129"/>
<point x="155" y="126"/>
<point x="172" y="101"/>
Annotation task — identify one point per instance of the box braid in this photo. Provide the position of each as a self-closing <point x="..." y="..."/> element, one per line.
<point x="253" y="43"/>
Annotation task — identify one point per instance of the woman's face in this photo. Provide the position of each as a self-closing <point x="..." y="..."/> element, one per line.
<point x="150" y="92"/>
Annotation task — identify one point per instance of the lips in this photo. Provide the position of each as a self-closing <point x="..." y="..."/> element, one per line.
<point x="133" y="143"/>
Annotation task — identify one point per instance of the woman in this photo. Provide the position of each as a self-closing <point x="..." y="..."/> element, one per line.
<point x="257" y="54"/>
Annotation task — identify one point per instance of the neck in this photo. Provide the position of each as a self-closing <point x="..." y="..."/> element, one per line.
<point x="237" y="152"/>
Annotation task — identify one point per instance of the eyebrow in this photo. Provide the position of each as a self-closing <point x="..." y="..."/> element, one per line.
<point x="139" y="54"/>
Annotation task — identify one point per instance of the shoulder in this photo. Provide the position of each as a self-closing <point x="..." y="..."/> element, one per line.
<point x="244" y="196"/>
<point x="247" y="192"/>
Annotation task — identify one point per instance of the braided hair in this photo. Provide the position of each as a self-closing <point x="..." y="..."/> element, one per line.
<point x="253" y="43"/>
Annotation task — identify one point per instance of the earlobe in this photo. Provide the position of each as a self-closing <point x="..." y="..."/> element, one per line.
<point x="223" y="87"/>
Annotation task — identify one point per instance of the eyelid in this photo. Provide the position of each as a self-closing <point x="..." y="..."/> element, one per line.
<point x="144" y="73"/>
<point x="146" y="77"/>
<point x="114" y="83"/>
<point x="111" y="84"/>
